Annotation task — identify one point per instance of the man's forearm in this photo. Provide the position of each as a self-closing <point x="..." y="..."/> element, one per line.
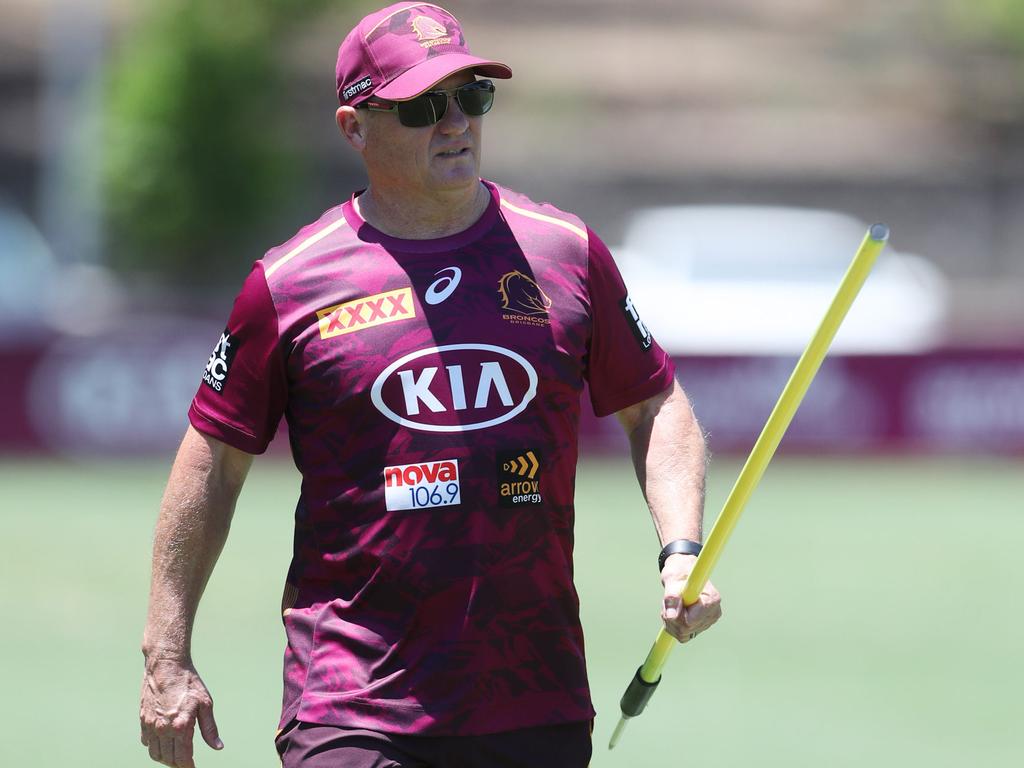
<point x="193" y="525"/>
<point x="669" y="455"/>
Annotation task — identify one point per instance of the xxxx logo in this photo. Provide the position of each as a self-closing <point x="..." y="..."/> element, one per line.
<point x="367" y="312"/>
<point x="524" y="466"/>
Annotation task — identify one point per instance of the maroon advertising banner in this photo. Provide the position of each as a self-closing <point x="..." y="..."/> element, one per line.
<point x="948" y="401"/>
<point x="126" y="394"/>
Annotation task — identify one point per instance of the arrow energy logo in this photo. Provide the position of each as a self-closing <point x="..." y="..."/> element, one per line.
<point x="518" y="481"/>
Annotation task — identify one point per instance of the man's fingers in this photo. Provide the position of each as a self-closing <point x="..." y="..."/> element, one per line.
<point x="673" y="603"/>
<point x="703" y="613"/>
<point x="182" y="743"/>
<point x="183" y="755"/>
<point x="685" y="622"/>
<point x="166" y="749"/>
<point x="672" y="606"/>
<point x="694" y="619"/>
<point x="679" y="631"/>
<point x="208" y="726"/>
<point x="173" y="703"/>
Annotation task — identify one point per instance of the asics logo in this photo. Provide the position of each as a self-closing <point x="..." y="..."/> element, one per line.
<point x="444" y="286"/>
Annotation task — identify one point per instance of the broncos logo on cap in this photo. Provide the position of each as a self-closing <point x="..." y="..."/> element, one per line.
<point x="427" y="28"/>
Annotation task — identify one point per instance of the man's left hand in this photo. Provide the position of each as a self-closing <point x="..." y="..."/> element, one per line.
<point x="686" y="622"/>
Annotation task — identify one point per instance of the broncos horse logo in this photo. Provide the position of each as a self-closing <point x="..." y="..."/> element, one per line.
<point x="428" y="29"/>
<point x="521" y="295"/>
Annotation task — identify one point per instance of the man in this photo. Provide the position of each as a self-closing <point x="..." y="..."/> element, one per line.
<point x="428" y="342"/>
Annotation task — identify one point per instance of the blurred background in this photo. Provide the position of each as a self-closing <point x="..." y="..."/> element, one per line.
<point x="732" y="153"/>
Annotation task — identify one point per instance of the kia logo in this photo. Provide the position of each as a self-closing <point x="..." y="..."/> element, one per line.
<point x="455" y="388"/>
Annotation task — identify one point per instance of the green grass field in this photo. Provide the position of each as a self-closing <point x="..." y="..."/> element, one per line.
<point x="872" y="617"/>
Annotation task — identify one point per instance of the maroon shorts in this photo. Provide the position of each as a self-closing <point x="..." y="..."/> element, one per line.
<point x="307" y="745"/>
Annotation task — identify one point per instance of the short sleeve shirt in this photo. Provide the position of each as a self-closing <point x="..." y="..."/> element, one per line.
<point x="432" y="394"/>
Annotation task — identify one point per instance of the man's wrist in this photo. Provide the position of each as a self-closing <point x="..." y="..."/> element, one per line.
<point x="157" y="652"/>
<point x="678" y="547"/>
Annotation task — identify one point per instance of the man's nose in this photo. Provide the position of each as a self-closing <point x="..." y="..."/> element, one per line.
<point x="454" y="120"/>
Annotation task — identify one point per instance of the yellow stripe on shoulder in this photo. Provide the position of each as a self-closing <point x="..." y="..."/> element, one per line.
<point x="311" y="240"/>
<point x="580" y="233"/>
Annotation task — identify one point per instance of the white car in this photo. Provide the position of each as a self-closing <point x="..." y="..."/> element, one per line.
<point x="28" y="267"/>
<point x="758" y="279"/>
<point x="40" y="296"/>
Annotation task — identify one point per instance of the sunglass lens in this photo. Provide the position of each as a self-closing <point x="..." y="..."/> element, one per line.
<point x="423" y="110"/>
<point x="475" y="101"/>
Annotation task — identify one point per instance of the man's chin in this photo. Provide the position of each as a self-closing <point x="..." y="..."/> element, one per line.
<point x="458" y="179"/>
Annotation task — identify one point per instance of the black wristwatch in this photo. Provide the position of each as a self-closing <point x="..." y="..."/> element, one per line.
<point x="677" y="547"/>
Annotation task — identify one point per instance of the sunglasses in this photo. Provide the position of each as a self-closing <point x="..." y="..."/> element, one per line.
<point x="475" y="99"/>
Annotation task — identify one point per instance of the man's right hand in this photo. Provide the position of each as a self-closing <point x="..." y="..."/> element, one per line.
<point x="174" y="698"/>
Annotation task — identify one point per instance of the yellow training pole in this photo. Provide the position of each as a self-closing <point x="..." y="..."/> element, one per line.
<point x="649" y="675"/>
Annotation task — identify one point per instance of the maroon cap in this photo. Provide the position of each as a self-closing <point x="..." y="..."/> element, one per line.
<point x="402" y="50"/>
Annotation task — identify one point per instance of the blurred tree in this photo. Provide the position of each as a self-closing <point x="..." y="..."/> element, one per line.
<point x="196" y="166"/>
<point x="990" y="19"/>
<point x="987" y="78"/>
<point x="1007" y="17"/>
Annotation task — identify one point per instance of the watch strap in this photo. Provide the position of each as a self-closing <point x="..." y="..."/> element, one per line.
<point x="678" y="547"/>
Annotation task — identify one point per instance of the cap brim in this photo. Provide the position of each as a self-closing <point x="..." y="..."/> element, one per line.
<point x="429" y="73"/>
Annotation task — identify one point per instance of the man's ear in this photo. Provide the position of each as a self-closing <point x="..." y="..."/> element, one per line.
<point x="352" y="127"/>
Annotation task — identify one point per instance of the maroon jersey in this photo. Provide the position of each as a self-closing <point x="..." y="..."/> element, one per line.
<point x="432" y="392"/>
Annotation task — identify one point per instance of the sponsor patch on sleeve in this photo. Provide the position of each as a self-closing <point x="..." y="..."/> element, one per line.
<point x="519" y="478"/>
<point x="643" y="336"/>
<point x="416" y="486"/>
<point x="219" y="365"/>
